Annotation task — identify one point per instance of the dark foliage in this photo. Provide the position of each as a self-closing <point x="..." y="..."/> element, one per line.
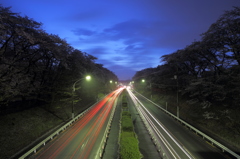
<point x="37" y="67"/>
<point x="206" y="75"/>
<point x="207" y="70"/>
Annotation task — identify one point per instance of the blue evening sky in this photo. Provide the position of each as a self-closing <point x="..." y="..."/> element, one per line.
<point x="125" y="35"/>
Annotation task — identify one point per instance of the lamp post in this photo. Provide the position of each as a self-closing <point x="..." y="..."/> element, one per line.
<point x="143" y="84"/>
<point x="151" y="89"/>
<point x="176" y="78"/>
<point x="143" y="80"/>
<point x="73" y="91"/>
<point x="111" y="85"/>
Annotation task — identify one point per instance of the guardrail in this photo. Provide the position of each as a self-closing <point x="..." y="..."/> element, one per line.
<point x="106" y="133"/>
<point x="57" y="132"/>
<point x="206" y="137"/>
<point x="148" y="127"/>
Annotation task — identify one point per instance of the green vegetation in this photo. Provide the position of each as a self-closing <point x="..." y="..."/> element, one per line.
<point x="127" y="122"/>
<point x="128" y="142"/>
<point x="124" y="98"/>
<point x="129" y="146"/>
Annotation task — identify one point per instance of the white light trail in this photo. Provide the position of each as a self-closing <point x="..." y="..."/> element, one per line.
<point x="150" y="118"/>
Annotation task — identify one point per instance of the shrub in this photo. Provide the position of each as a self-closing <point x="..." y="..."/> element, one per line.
<point x="129" y="146"/>
<point x="128" y="141"/>
<point x="127" y="123"/>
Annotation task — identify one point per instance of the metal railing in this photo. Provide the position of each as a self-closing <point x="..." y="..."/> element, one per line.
<point x="206" y="137"/>
<point x="148" y="127"/>
<point x="106" y="133"/>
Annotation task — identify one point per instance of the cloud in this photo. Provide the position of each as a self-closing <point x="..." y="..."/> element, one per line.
<point x="86" y="15"/>
<point x="138" y="36"/>
<point x="109" y="57"/>
<point x="97" y="50"/>
<point x="130" y="44"/>
<point x="131" y="31"/>
<point x="126" y="72"/>
<point x="82" y="31"/>
<point x="136" y="43"/>
<point x="142" y="34"/>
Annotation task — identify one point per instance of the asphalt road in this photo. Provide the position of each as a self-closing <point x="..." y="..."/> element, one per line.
<point x="195" y="145"/>
<point x="82" y="140"/>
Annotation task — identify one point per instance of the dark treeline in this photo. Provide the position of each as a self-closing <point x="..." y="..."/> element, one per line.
<point x="206" y="75"/>
<point x="41" y="68"/>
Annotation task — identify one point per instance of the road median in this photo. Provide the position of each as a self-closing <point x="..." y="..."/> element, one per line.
<point x="128" y="140"/>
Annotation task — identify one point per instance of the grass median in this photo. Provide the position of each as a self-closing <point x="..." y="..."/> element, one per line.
<point x="128" y="141"/>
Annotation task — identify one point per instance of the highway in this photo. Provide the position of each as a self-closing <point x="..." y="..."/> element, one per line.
<point x="174" y="139"/>
<point x="83" y="138"/>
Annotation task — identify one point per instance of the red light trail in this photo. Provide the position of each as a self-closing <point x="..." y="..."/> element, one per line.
<point x="81" y="140"/>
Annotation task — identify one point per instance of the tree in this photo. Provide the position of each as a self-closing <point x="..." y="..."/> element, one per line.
<point x="16" y="54"/>
<point x="224" y="34"/>
<point x="39" y="67"/>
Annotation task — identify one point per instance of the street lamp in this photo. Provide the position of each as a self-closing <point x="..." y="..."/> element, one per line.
<point x="88" y="77"/>
<point x="175" y="77"/>
<point x="151" y="89"/>
<point x="143" y="81"/>
<point x="73" y="91"/>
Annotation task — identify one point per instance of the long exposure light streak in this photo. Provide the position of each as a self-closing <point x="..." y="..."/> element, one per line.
<point x="150" y="118"/>
<point x="80" y="140"/>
